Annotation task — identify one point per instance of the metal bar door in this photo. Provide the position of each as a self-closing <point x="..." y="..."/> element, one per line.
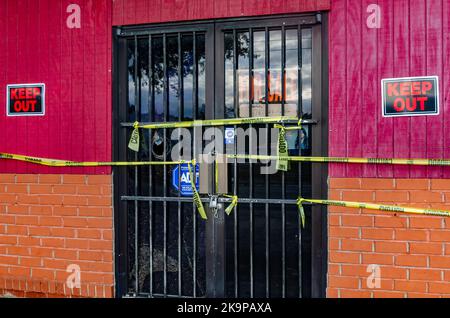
<point x="226" y="69"/>
<point x="162" y="75"/>
<point x="267" y="68"/>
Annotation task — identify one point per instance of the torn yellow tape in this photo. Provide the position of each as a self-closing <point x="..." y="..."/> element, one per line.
<point x="233" y="204"/>
<point x="197" y="199"/>
<point x="379" y="207"/>
<point x="282" y="163"/>
<point x="135" y="139"/>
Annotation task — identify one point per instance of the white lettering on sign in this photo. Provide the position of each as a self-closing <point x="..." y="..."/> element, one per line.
<point x="185" y="178"/>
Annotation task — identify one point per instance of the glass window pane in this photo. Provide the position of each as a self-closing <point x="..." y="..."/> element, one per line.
<point x="131" y="56"/>
<point x="172" y="77"/>
<point x="307" y="73"/>
<point x="291" y="74"/>
<point x="275" y="76"/>
<point x="275" y="49"/>
<point x="158" y="78"/>
<point x="201" y="76"/>
<point x="229" y="76"/>
<point x="188" y="78"/>
<point x="259" y="74"/>
<point x="143" y="74"/>
<point x="243" y="46"/>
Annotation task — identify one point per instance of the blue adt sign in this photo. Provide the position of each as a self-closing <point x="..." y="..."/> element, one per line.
<point x="184" y="180"/>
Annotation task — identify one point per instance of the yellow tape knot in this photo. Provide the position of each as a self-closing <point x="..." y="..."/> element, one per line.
<point x="301" y="210"/>
<point x="234" y="202"/>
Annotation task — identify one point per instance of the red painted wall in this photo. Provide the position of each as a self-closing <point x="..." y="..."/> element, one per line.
<point x="414" y="40"/>
<point x="36" y="46"/>
<point x="154" y="11"/>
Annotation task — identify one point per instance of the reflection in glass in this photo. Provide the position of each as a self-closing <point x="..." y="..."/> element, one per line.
<point x="201" y="77"/>
<point x="243" y="41"/>
<point x="158" y="78"/>
<point x="275" y="76"/>
<point x="306" y="73"/>
<point x="259" y="74"/>
<point x="291" y="70"/>
<point x="131" y="57"/>
<point x="144" y="79"/>
<point x="291" y="87"/>
<point x="229" y="79"/>
<point x="172" y="75"/>
<point x="188" y="78"/>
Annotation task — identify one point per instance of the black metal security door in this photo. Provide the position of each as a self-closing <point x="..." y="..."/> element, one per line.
<point x="232" y="69"/>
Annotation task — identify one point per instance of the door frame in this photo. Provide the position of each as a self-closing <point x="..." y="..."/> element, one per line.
<point x="215" y="264"/>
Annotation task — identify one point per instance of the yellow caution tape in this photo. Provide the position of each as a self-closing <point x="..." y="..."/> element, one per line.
<point x="204" y="123"/>
<point x="233" y="204"/>
<point x="199" y="204"/>
<point x="282" y="162"/>
<point x="218" y="122"/>
<point x="134" y="140"/>
<point x="301" y="211"/>
<point x="387" y="161"/>
<point x="298" y="127"/>
<point x="371" y="206"/>
<point x="197" y="199"/>
<point x="63" y="163"/>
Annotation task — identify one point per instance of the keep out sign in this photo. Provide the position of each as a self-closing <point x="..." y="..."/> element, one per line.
<point x="26" y="100"/>
<point x="411" y="96"/>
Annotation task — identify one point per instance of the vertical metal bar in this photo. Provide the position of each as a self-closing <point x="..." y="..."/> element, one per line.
<point x="136" y="182"/>
<point x="215" y="233"/>
<point x="166" y="115"/>
<point x="195" y="77"/>
<point x="151" y="108"/>
<point x="250" y="72"/>
<point x="300" y="181"/>
<point x="194" y="114"/>
<point x="267" y="215"/>
<point x="283" y="175"/>
<point x="121" y="229"/>
<point x="180" y="118"/>
<point x="180" y="80"/>
<point x="235" y="67"/>
<point x="250" y="106"/>
<point x="319" y="173"/>
<point x="235" y="170"/>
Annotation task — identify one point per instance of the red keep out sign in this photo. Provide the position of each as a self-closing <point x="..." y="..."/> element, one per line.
<point x="26" y="100"/>
<point x="411" y="96"/>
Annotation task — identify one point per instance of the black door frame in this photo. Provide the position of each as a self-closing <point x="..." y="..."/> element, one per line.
<point x="214" y="231"/>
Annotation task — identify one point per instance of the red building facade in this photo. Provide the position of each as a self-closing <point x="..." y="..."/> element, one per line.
<point x="53" y="217"/>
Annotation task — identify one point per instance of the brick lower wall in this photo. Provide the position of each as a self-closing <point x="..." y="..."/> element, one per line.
<point x="413" y="252"/>
<point x="48" y="222"/>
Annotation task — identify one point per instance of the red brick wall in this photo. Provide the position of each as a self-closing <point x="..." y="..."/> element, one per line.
<point x="48" y="222"/>
<point x="413" y="252"/>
